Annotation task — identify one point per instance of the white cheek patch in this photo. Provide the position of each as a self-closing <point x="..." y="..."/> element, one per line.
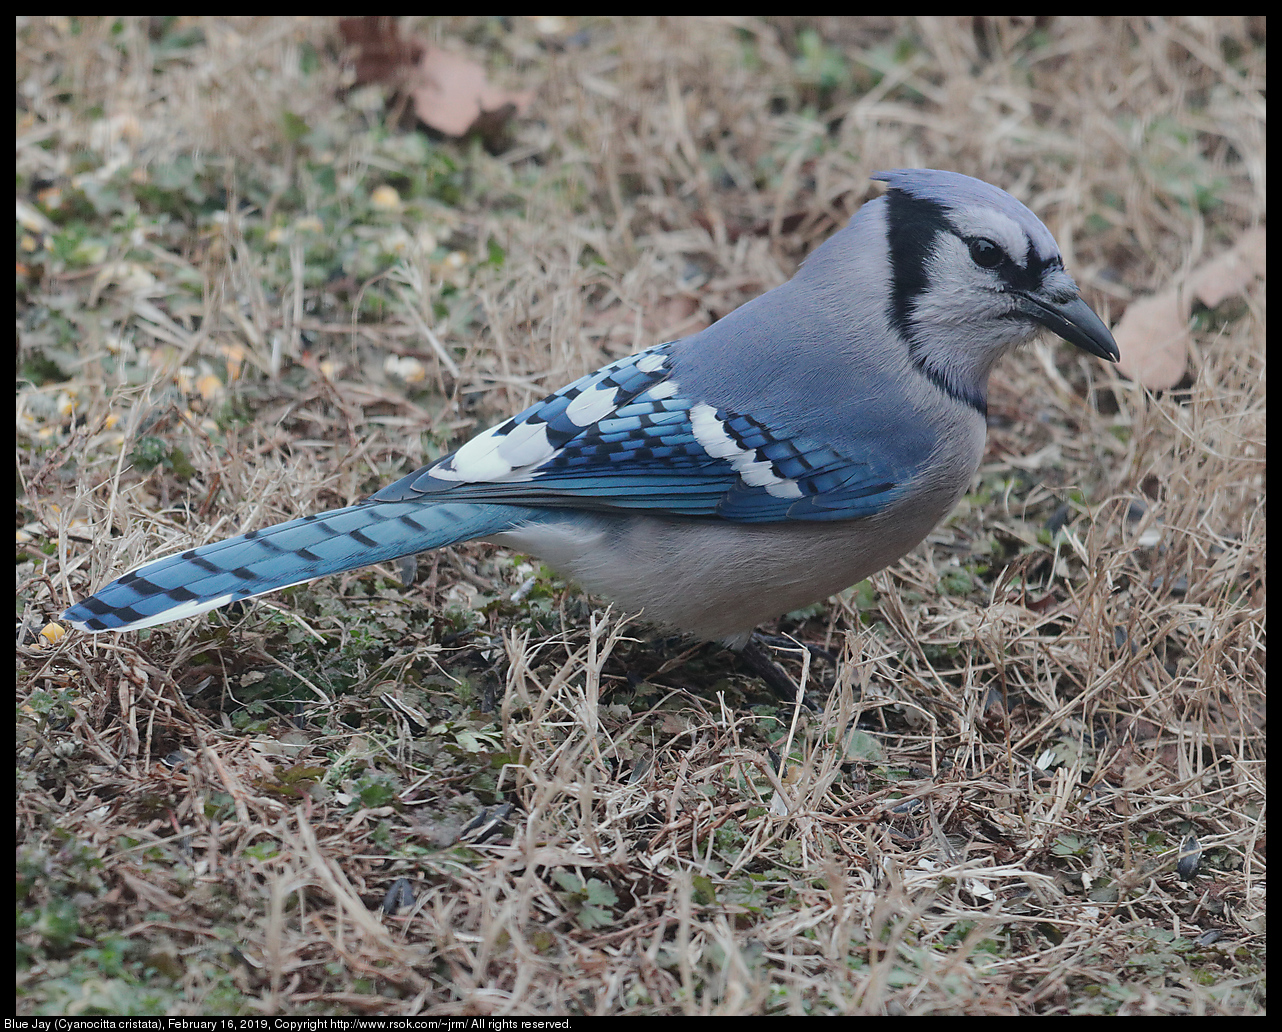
<point x="711" y="434"/>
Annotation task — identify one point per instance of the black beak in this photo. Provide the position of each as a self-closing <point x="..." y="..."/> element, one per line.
<point x="1075" y="321"/>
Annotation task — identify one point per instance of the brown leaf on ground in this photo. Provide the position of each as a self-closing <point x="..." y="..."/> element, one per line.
<point x="1231" y="272"/>
<point x="451" y="94"/>
<point x="1153" y="340"/>
<point x="1153" y="334"/>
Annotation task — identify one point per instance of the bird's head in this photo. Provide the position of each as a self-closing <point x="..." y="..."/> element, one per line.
<point x="973" y="272"/>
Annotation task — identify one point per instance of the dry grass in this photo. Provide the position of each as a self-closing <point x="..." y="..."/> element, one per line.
<point x="1029" y="714"/>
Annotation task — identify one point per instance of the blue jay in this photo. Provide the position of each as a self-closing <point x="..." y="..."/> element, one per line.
<point x="800" y="444"/>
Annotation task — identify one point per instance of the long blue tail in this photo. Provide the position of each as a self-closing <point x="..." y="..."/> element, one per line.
<point x="215" y="575"/>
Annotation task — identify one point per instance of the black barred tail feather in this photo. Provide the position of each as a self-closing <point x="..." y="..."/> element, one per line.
<point x="228" y="571"/>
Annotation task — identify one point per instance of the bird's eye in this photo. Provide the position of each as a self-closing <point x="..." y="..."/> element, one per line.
<point x="985" y="253"/>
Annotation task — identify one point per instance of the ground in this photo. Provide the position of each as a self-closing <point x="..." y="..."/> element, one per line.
<point x="250" y="287"/>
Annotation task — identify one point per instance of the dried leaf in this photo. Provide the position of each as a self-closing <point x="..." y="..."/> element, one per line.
<point x="452" y="95"/>
<point x="1153" y="339"/>
<point x="450" y="92"/>
<point x="1230" y="273"/>
<point x="1153" y="334"/>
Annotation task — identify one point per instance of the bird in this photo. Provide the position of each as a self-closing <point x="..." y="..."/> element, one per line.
<point x="801" y="443"/>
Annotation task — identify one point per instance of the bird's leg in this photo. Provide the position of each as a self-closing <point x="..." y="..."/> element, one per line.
<point x="782" y="641"/>
<point x="756" y="654"/>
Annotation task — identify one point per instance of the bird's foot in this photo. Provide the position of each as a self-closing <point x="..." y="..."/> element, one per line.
<point x="756" y="654"/>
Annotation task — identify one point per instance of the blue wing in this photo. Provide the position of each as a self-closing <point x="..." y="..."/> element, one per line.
<point x="624" y="438"/>
<point x="627" y="437"/>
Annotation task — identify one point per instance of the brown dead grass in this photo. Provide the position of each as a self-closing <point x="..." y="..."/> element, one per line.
<point x="984" y="818"/>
